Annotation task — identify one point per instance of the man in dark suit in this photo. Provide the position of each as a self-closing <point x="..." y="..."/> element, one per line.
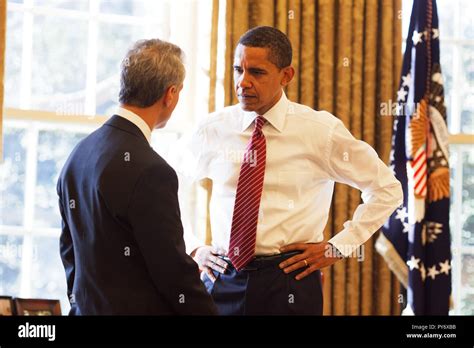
<point x="122" y="240"/>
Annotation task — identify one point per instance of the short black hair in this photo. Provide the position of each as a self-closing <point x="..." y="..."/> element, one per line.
<point x="280" y="53"/>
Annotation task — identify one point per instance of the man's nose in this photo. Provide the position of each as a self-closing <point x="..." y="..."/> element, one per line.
<point x="244" y="81"/>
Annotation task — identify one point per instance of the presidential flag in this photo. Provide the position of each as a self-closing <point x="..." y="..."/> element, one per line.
<point x="415" y="241"/>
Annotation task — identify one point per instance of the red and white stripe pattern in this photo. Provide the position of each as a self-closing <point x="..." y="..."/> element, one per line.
<point x="247" y="201"/>
<point x="419" y="166"/>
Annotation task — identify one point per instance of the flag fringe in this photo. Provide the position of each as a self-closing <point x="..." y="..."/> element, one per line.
<point x="396" y="264"/>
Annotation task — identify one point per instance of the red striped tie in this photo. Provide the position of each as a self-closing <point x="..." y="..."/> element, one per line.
<point x="247" y="201"/>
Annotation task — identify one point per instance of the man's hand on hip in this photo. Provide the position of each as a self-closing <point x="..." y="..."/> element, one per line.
<point x="313" y="257"/>
<point x="207" y="258"/>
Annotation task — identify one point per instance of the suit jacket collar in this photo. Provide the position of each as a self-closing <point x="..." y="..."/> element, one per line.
<point x="119" y="122"/>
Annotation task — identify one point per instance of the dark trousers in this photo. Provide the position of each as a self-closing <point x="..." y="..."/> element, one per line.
<point x="262" y="288"/>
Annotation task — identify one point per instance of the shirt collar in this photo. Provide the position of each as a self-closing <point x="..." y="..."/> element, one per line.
<point x="276" y="116"/>
<point x="136" y="120"/>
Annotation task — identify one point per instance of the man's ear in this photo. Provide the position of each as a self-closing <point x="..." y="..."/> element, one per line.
<point x="169" y="94"/>
<point x="288" y="74"/>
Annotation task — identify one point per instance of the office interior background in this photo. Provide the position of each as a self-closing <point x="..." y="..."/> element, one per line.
<point x="61" y="82"/>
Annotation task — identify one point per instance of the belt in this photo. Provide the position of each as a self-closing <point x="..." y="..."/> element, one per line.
<point x="260" y="262"/>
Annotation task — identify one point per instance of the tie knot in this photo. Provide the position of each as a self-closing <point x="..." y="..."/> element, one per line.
<point x="259" y="122"/>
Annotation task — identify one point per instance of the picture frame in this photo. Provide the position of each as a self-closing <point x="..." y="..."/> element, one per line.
<point x="6" y="306"/>
<point x="37" y="307"/>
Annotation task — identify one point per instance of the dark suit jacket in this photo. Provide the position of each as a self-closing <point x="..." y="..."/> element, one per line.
<point x="122" y="239"/>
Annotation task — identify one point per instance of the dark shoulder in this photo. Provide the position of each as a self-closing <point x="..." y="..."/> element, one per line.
<point x="156" y="168"/>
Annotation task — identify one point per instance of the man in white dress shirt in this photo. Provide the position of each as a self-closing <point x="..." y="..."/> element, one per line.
<point x="267" y="226"/>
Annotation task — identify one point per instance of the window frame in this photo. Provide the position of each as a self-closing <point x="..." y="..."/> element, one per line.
<point x="34" y="121"/>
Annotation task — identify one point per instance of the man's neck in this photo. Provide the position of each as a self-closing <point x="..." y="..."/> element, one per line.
<point x="146" y="114"/>
<point x="277" y="99"/>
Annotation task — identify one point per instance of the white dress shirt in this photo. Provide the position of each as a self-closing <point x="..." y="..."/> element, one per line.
<point x="136" y="120"/>
<point x="307" y="151"/>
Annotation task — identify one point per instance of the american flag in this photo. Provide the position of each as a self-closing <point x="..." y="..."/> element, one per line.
<point x="415" y="241"/>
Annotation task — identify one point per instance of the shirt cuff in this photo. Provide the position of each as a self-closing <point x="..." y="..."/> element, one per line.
<point x="347" y="242"/>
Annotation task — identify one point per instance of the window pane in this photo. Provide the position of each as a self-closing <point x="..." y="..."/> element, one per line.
<point x="59" y="69"/>
<point x="128" y="7"/>
<point x="468" y="195"/>
<point x="467" y="278"/>
<point x="467" y="66"/>
<point x="467" y="88"/>
<point x="467" y="21"/>
<point x="65" y="4"/>
<point x="48" y="279"/>
<point x="468" y="231"/>
<point x="467" y="112"/>
<point x="10" y="264"/>
<point x="13" y="58"/>
<point x="467" y="304"/>
<point x="446" y="58"/>
<point x="53" y="149"/>
<point x="12" y="177"/>
<point x="115" y="40"/>
<point x="446" y="15"/>
<point x="107" y="96"/>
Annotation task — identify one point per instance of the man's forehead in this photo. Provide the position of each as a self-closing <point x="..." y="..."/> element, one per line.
<point x="256" y="55"/>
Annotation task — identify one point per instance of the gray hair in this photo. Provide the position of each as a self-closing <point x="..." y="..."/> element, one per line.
<point x="148" y="70"/>
<point x="280" y="51"/>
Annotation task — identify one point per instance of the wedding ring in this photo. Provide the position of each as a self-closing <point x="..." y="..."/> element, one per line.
<point x="306" y="263"/>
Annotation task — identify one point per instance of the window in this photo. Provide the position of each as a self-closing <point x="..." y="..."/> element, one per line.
<point x="61" y="82"/>
<point x="456" y="30"/>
